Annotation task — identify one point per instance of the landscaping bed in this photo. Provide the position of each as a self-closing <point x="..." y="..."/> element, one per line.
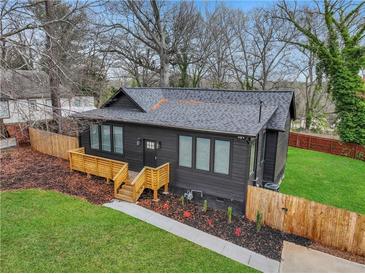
<point x="22" y="168"/>
<point x="240" y="231"/>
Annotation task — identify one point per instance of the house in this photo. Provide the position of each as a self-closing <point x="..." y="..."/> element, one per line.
<point x="216" y="141"/>
<point x="25" y="96"/>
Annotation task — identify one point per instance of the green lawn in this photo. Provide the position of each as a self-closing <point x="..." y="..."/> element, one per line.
<point x="44" y="231"/>
<point x="325" y="178"/>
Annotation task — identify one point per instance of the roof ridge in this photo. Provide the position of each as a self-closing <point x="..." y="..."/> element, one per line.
<point x="211" y="89"/>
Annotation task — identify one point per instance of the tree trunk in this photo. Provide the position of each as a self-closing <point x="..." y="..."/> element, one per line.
<point x="164" y="71"/>
<point x="52" y="61"/>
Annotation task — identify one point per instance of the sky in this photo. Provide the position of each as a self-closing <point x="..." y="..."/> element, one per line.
<point x="241" y="4"/>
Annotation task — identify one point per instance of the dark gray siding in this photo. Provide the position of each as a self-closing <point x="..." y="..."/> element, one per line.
<point x="124" y="102"/>
<point x="270" y="156"/>
<point x="282" y="150"/>
<point x="230" y="187"/>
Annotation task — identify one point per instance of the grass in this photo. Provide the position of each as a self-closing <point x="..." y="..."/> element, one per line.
<point x="45" y="231"/>
<point x="329" y="179"/>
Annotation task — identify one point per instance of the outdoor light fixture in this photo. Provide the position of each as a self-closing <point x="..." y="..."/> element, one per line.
<point x="158" y="145"/>
<point x="138" y="142"/>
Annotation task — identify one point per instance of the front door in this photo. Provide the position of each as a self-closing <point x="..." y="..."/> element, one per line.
<point x="149" y="154"/>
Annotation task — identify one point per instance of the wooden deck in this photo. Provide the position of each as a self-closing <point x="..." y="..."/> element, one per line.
<point x="128" y="185"/>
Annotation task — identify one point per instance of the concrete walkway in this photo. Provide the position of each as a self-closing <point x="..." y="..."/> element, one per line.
<point x="197" y="236"/>
<point x="296" y="258"/>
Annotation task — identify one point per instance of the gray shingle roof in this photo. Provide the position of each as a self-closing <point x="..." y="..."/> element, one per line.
<point x="201" y="109"/>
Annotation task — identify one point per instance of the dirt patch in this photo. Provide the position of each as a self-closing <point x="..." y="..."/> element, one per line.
<point x="241" y="231"/>
<point x="22" y="168"/>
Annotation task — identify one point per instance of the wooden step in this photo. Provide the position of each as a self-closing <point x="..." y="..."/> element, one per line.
<point x="127" y="187"/>
<point x="124" y="198"/>
<point x="125" y="192"/>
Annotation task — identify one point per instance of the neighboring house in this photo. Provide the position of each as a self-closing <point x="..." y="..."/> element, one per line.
<point x="217" y="141"/>
<point x="25" y="96"/>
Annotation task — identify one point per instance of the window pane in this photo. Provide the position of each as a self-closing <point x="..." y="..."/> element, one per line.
<point x="94" y="136"/>
<point x="185" y="150"/>
<point x="4" y="109"/>
<point x="252" y="156"/>
<point x="221" y="156"/>
<point x="202" y="153"/>
<point x="118" y="139"/>
<point x="105" y="138"/>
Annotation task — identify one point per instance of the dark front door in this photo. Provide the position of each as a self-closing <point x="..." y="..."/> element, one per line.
<point x="149" y="155"/>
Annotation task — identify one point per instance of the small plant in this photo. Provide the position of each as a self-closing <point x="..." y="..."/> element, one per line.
<point x="258" y="221"/>
<point x="205" y="206"/>
<point x="166" y="206"/>
<point x="210" y="222"/>
<point x="237" y="231"/>
<point x="182" y="199"/>
<point x="229" y="213"/>
<point x="187" y="214"/>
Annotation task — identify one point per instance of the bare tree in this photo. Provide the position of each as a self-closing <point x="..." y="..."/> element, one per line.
<point x="158" y="26"/>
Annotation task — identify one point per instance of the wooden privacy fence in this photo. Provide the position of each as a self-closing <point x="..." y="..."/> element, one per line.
<point x="327" y="145"/>
<point x="51" y="143"/>
<point x="98" y="166"/>
<point x="327" y="225"/>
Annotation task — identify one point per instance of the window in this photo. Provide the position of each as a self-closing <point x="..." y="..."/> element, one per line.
<point x="185" y="151"/>
<point x="263" y="147"/>
<point x="118" y="139"/>
<point x="221" y="156"/>
<point x="150" y="145"/>
<point x="105" y="138"/>
<point x="77" y="102"/>
<point x="32" y="105"/>
<point x="4" y="109"/>
<point x="202" y="154"/>
<point x="94" y="136"/>
<point x="252" y="156"/>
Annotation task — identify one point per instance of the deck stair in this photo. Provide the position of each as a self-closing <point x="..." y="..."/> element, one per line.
<point x="148" y="177"/>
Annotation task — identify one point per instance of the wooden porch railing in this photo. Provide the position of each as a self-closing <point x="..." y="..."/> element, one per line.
<point x="98" y="166"/>
<point x="152" y="178"/>
<point x="148" y="177"/>
<point x="121" y="177"/>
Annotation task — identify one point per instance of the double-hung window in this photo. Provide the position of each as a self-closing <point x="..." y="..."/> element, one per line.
<point x="185" y="151"/>
<point x="105" y="138"/>
<point x="202" y="154"/>
<point x="118" y="139"/>
<point x="221" y="156"/>
<point x="94" y="136"/>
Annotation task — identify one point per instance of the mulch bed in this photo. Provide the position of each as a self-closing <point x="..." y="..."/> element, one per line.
<point x="268" y="241"/>
<point x="22" y="168"/>
<point x="241" y="231"/>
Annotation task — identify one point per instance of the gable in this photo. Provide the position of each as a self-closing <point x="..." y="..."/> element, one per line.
<point x="122" y="100"/>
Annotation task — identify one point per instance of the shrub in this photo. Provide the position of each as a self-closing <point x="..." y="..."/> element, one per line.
<point x="237" y="231"/>
<point x="258" y="221"/>
<point x="166" y="206"/>
<point x="205" y="206"/>
<point x="187" y="214"/>
<point x="210" y="222"/>
<point x="229" y="213"/>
